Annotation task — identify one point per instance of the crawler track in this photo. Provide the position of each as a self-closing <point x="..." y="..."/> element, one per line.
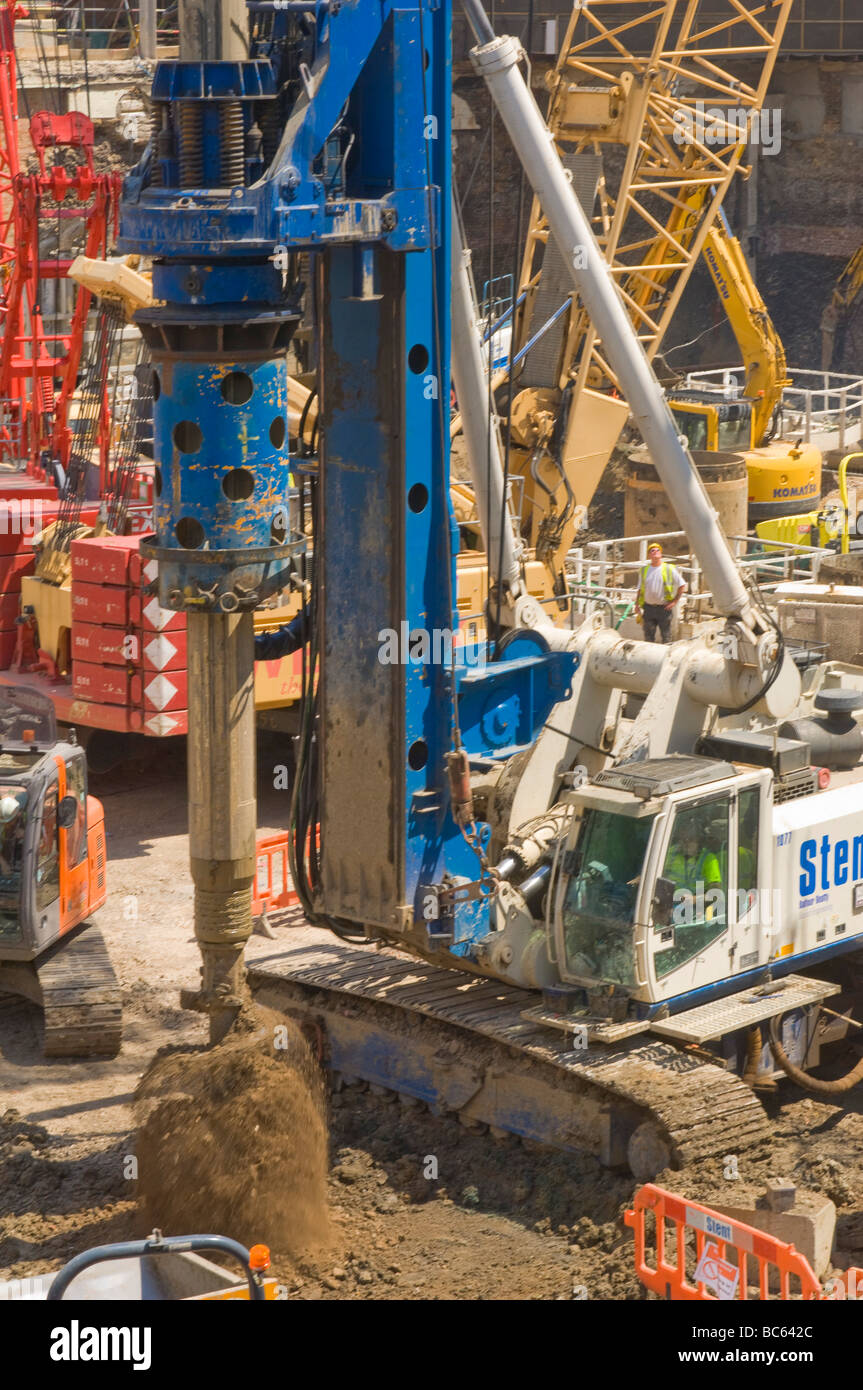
<point x="459" y="1043"/>
<point x="81" y="999"/>
<point x="75" y="986"/>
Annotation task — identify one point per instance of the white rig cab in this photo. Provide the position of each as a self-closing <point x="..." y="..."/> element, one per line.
<point x="681" y="876"/>
<point x="691" y="887"/>
<point x="656" y="894"/>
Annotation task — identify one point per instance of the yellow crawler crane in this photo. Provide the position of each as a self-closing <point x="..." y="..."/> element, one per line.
<point x="636" y="78"/>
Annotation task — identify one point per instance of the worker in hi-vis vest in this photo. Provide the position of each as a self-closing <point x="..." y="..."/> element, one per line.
<point x="693" y="866"/>
<point x="659" y="589"/>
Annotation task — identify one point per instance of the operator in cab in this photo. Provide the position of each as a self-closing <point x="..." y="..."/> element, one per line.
<point x="12" y="803"/>
<point x="689" y="864"/>
<point x="13" y="817"/>
<point x="660" y="587"/>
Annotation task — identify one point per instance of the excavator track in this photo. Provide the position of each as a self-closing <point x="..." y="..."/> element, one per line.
<point x="75" y="986"/>
<point x="81" y="998"/>
<point x="460" y="1044"/>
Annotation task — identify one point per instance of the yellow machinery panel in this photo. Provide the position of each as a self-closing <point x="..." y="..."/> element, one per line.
<point x="280" y="682"/>
<point x="782" y="478"/>
<point x="598" y="418"/>
<point x="53" y="608"/>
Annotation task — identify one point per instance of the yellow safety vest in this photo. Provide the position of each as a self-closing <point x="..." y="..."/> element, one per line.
<point x="688" y="873"/>
<point x="666" y="582"/>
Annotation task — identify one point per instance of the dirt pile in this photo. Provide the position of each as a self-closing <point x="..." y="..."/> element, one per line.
<point x="234" y="1140"/>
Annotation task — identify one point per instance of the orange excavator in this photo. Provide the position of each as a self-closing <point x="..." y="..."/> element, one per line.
<point x="52" y="878"/>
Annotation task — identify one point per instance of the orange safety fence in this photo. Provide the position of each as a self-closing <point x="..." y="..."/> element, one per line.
<point x="273" y="887"/>
<point x="852" y="1283"/>
<point x="686" y="1251"/>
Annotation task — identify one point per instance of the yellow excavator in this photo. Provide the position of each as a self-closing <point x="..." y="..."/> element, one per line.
<point x="784" y="476"/>
<point x="835" y="316"/>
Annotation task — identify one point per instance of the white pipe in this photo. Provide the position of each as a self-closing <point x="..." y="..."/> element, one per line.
<point x="496" y="60"/>
<point x="618" y="663"/>
<point x="480" y="426"/>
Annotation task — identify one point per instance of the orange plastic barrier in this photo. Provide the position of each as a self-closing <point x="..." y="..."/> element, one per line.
<point x="722" y="1255"/>
<point x="272" y="865"/>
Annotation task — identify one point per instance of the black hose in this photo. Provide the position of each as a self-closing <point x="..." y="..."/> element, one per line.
<point x="777" y="667"/>
<point x="304" y="818"/>
<point x="303" y="417"/>
<point x="811" y="1083"/>
<point x="770" y="621"/>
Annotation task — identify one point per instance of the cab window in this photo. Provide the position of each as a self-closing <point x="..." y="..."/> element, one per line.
<point x="696" y="865"/>
<point x="694" y="427"/>
<point x="748" y="804"/>
<point x="48" y="861"/>
<point x="736" y="432"/>
<point x="13" y="822"/>
<point x="748" y="814"/>
<point x="76" y="835"/>
<point x="599" y="906"/>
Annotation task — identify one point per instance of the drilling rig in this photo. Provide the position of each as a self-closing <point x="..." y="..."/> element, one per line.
<point x="542" y="983"/>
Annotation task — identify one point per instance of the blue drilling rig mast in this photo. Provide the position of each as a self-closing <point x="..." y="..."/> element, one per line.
<point x="331" y="137"/>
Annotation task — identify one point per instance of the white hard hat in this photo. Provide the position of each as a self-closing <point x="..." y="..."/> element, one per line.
<point x="9" y="807"/>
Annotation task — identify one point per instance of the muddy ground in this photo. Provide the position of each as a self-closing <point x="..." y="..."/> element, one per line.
<point x="419" y="1207"/>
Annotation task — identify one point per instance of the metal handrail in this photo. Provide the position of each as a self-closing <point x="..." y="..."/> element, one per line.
<point x="156" y="1244"/>
<point x="829" y="400"/>
<point x="598" y="568"/>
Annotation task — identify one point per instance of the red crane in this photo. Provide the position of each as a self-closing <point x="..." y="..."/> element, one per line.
<point x="38" y="370"/>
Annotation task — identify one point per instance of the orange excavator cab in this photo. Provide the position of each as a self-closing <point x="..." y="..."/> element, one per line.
<point x="52" y="878"/>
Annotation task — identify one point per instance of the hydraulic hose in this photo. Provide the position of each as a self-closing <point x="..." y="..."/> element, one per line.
<point x="303" y="850"/>
<point x="811" y="1083"/>
<point x="753" y="1054"/>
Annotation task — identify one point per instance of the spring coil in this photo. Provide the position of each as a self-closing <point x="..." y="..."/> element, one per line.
<point x="155" y="133"/>
<point x="233" y="153"/>
<point x="191" y="145"/>
<point x="162" y="142"/>
<point x="271" y="122"/>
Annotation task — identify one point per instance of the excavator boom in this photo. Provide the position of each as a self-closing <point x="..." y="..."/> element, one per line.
<point x="760" y="345"/>
<point x="835" y="316"/>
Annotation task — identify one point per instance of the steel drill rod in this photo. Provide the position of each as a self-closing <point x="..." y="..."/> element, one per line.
<point x="221" y="664"/>
<point x="222" y="807"/>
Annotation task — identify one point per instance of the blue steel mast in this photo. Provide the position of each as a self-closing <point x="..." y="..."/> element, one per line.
<point x="332" y="138"/>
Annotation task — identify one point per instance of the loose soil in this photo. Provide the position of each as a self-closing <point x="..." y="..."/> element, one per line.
<point x="416" y="1207"/>
<point x="234" y="1138"/>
